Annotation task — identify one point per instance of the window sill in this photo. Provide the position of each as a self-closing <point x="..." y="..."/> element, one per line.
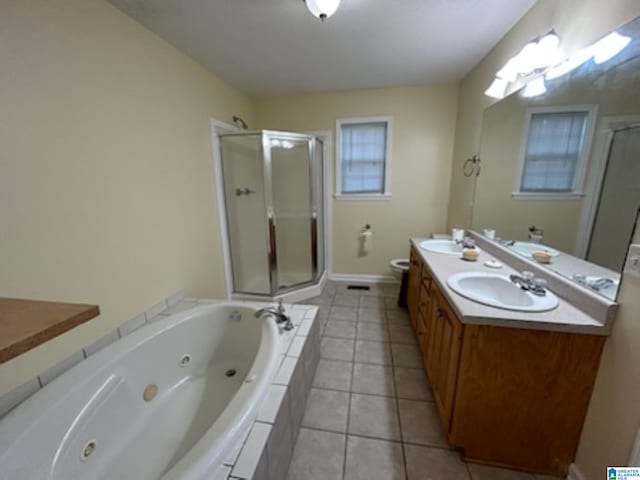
<point x="362" y="196"/>
<point x="547" y="196"/>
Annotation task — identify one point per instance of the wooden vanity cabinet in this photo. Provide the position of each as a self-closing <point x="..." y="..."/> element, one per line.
<point x="413" y="287"/>
<point x="442" y="359"/>
<point x="506" y="396"/>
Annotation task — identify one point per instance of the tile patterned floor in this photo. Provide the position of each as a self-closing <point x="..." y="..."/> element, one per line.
<point x="370" y="413"/>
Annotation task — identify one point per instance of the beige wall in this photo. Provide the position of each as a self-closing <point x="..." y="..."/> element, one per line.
<point x="613" y="416"/>
<point x="424" y="119"/>
<point x="106" y="189"/>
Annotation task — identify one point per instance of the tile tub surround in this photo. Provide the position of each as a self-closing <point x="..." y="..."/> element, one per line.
<point x="390" y="431"/>
<point x="566" y="317"/>
<point x="265" y="452"/>
<point x="266" y="448"/>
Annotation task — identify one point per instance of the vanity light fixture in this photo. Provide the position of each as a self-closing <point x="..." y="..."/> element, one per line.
<point x="534" y="57"/>
<point x="322" y="9"/>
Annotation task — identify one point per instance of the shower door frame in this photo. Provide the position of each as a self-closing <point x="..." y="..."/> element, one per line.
<point x="272" y="251"/>
<point x="603" y="137"/>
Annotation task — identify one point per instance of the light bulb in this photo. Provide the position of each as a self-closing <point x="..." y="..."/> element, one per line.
<point x="549" y="42"/>
<point x="534" y="88"/>
<point x="527" y="58"/>
<point x="322" y="9"/>
<point x="548" y="52"/>
<point x="510" y="71"/>
<point x="497" y="88"/>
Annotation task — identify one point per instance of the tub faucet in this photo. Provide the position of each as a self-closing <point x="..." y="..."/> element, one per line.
<point x="278" y="314"/>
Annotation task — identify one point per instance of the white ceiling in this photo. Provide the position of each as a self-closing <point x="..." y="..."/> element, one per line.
<point x="266" y="47"/>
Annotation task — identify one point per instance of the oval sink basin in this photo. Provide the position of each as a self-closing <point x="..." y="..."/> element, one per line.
<point x="441" y="246"/>
<point x="498" y="291"/>
<point x="526" y="249"/>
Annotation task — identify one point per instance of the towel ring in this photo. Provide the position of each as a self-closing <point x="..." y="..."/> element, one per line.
<point x="469" y="166"/>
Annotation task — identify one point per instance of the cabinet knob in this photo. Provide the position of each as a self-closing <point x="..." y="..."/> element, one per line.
<point x="439" y="312"/>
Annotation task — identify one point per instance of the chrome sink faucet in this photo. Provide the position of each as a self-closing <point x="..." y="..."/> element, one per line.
<point x="593" y="283"/>
<point x="278" y="315"/>
<point x="527" y="281"/>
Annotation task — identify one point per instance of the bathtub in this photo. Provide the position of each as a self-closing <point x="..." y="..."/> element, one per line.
<point x="167" y="401"/>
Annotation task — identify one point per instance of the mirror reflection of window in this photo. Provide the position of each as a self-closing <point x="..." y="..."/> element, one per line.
<point x="555" y="151"/>
<point x="566" y="162"/>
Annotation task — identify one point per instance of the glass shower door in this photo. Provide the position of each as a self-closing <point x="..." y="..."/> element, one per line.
<point x="619" y="201"/>
<point x="289" y="159"/>
<point x="244" y="190"/>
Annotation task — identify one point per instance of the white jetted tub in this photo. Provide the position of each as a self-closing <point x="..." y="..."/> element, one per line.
<point x="167" y="401"/>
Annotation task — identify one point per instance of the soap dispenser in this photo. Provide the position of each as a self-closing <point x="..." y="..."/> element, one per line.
<point x="535" y="234"/>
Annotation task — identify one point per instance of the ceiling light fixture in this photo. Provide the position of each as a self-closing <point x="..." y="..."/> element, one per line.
<point x="322" y="9"/>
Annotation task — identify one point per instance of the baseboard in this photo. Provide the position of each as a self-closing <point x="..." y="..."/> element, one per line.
<point x="575" y="473"/>
<point x="343" y="277"/>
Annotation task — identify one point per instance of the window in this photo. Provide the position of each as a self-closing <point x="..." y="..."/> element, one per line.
<point x="362" y="160"/>
<point x="555" y="151"/>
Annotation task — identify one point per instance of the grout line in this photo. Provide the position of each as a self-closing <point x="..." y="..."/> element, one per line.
<point x="370" y="437"/>
<point x="372" y="394"/>
<point x="346" y="440"/>
<point x="466" y="466"/>
<point x="395" y="386"/>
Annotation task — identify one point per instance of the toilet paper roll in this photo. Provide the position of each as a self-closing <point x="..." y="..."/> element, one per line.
<point x="366" y="239"/>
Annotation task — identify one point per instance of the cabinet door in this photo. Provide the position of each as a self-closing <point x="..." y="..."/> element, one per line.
<point x="447" y="358"/>
<point x="413" y="287"/>
<point x="424" y="310"/>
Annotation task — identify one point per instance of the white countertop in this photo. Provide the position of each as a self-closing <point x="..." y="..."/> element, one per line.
<point x="565" y="317"/>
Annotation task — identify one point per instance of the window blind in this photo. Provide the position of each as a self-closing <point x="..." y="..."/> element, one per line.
<point x="554" y="147"/>
<point x="363" y="150"/>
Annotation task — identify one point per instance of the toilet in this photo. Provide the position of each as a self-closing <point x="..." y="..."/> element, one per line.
<point x="400" y="270"/>
<point x="398" y="266"/>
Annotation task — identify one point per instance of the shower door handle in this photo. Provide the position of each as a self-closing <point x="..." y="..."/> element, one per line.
<point x="272" y="241"/>
<point x="314" y="244"/>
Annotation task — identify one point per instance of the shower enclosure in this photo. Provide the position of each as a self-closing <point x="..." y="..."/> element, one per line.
<point x="273" y="190"/>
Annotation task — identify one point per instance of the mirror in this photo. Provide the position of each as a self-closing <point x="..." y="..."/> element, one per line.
<point x="561" y="170"/>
